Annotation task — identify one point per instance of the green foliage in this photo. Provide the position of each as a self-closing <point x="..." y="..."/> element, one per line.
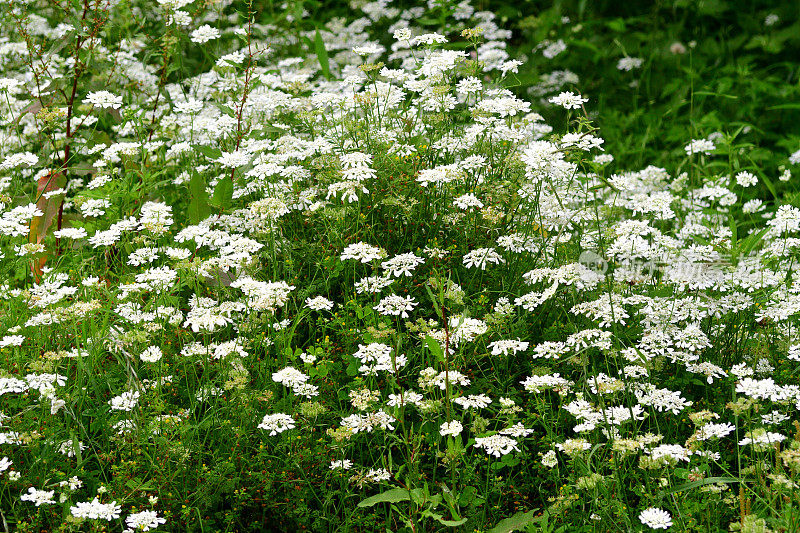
<point x="268" y="267"/>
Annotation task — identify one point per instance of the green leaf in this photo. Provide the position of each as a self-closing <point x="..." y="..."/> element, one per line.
<point x="451" y="523"/>
<point x="467" y="496"/>
<point x="700" y="483"/>
<point x="764" y="178"/>
<point x="784" y="106"/>
<point x="322" y="55"/>
<point x="427" y="21"/>
<point x="223" y="193"/>
<point x="390" y="496"/>
<point x="516" y="522"/>
<point x="198" y="206"/>
<point x="137" y="484"/>
<point x="709" y="93"/>
<point x="752" y="240"/>
<point x="59" y="44"/>
<point x="352" y="368"/>
<point x="211" y="153"/>
<point x="227" y="110"/>
<point x="434" y="347"/>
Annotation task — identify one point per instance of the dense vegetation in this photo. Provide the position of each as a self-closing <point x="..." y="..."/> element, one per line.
<point x="399" y="267"/>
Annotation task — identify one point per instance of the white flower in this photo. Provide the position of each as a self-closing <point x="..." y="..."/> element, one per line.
<point x="363" y="252"/>
<point x="549" y="459"/>
<point x="473" y="401"/>
<point x="12" y="340"/>
<point x="746" y="179"/>
<point x="503" y="347"/>
<point x="319" y="303"/>
<point x="655" y="518"/>
<point x="234" y="159"/>
<point x="38" y="497"/>
<point x="151" y="355"/>
<point x="289" y="377"/>
<point x="429" y="38"/>
<point x="28" y="159"/>
<point x="145" y="521"/>
<point x="343" y="464"/>
<point x="205" y="33"/>
<point x="403" y="34"/>
<point x="469" y="85"/>
<point x="568" y="100"/>
<point x="396" y="305"/>
<point x="402" y="264"/>
<point x="70" y="233"/>
<point x="368" y="49"/>
<point x="452" y="428"/>
<point x="155" y="217"/>
<point x="712" y="430"/>
<point x="481" y="257"/>
<point x="380" y="474"/>
<point x="372" y="284"/>
<point x="553" y="49"/>
<point x="700" y="146"/>
<point x="103" y="99"/>
<point x="497" y="445"/>
<point x="94" y="207"/>
<point x="510" y="66"/>
<point x="629" y="63"/>
<point x="466" y="201"/>
<point x="94" y="510"/>
<point x="761" y="439"/>
<point x="125" y="401"/>
<point x="277" y="423"/>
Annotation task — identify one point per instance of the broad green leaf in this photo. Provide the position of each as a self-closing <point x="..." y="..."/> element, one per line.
<point x="516" y="522"/>
<point x="390" y="496"/>
<point x="434" y="347"/>
<point x="467" y="496"/>
<point x="223" y="193"/>
<point x="211" y="153"/>
<point x="198" y="205"/>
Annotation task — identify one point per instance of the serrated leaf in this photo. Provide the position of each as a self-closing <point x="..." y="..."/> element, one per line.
<point x="390" y="496"/>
